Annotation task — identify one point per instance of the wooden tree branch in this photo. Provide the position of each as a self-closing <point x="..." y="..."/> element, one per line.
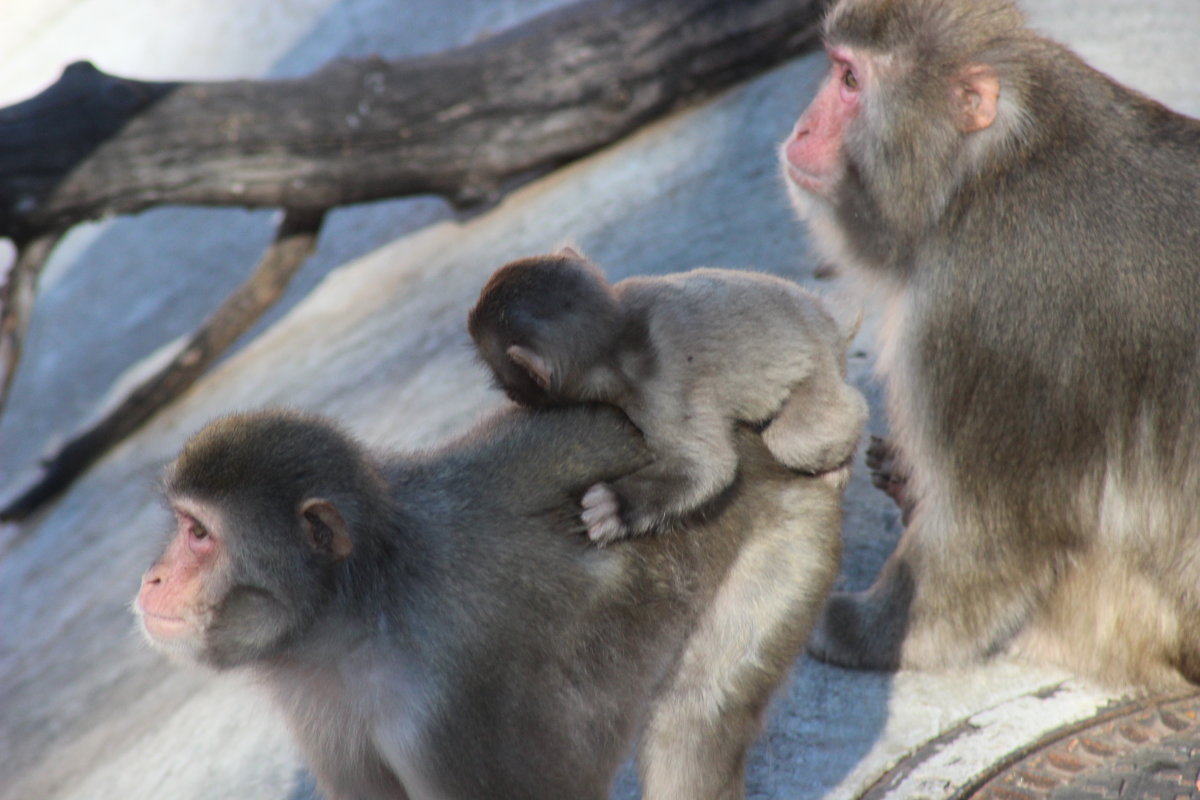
<point x="17" y="292"/>
<point x="464" y="124"/>
<point x="458" y="124"/>
<point x="294" y="241"/>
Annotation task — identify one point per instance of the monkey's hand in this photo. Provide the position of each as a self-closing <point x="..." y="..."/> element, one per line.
<point x="602" y="515"/>
<point x="888" y="474"/>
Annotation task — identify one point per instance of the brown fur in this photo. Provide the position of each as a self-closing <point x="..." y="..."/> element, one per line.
<point x="1041" y="279"/>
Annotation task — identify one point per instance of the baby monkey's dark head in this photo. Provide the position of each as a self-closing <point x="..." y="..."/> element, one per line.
<point x="541" y="323"/>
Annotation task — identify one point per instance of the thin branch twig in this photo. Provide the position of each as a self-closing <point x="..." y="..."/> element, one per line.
<point x="17" y="294"/>
<point x="294" y="241"/>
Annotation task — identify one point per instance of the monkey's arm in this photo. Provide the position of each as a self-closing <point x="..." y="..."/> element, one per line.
<point x="694" y="459"/>
<point x="819" y="426"/>
<point x="503" y="463"/>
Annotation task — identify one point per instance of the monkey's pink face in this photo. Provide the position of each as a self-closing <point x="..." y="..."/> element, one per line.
<point x="812" y="154"/>
<point x="170" y="603"/>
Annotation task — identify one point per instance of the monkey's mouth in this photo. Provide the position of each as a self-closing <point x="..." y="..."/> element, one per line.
<point x="803" y="180"/>
<point x="161" y="627"/>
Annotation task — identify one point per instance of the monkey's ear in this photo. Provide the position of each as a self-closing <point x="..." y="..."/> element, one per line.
<point x="327" y="532"/>
<point x="976" y="97"/>
<point x="567" y="251"/>
<point x="538" y="368"/>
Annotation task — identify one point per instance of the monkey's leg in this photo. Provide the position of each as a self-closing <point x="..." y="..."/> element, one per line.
<point x="946" y="597"/>
<point x="819" y="425"/>
<point x="341" y="778"/>
<point x="703" y="722"/>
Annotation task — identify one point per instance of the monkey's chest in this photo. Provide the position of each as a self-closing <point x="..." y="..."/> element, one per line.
<point x="360" y="729"/>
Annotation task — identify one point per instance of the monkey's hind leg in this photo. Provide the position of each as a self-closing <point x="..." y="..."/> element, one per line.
<point x="819" y="426"/>
<point x="744" y="646"/>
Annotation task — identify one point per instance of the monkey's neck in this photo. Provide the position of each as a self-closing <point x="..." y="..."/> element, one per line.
<point x="631" y="358"/>
<point x="602" y="383"/>
<point x="385" y="570"/>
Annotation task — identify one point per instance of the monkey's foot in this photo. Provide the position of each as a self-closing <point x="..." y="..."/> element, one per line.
<point x="602" y="515"/>
<point x="887" y="475"/>
<point x="849" y="635"/>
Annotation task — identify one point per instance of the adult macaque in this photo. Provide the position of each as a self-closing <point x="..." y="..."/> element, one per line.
<point x="1034" y="229"/>
<point x="431" y="627"/>
<point x="685" y="356"/>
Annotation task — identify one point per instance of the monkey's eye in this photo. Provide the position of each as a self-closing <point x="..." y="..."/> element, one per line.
<point x="195" y="531"/>
<point x="849" y="80"/>
<point x="199" y="540"/>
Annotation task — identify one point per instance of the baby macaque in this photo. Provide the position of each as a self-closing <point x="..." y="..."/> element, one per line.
<point x="685" y="356"/>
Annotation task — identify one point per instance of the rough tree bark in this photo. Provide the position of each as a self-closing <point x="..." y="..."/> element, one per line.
<point x="464" y="124"/>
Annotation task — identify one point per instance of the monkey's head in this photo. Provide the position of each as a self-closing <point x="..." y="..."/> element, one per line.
<point x="920" y="96"/>
<point x="267" y="506"/>
<point x="542" y="323"/>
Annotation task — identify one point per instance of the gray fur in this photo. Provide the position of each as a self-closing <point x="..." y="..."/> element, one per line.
<point x="473" y="644"/>
<point x="685" y="356"/>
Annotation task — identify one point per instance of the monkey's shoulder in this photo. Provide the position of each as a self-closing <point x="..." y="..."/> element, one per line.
<point x="729" y="309"/>
<point x="709" y="286"/>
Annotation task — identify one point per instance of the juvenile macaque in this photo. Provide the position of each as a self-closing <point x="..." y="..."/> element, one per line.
<point x="685" y="356"/>
<point x="1034" y="228"/>
<point x="436" y="626"/>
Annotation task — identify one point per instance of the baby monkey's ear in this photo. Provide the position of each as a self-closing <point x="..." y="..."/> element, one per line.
<point x="538" y="368"/>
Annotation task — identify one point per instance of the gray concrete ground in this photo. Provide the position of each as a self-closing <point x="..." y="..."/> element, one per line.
<point x="86" y="711"/>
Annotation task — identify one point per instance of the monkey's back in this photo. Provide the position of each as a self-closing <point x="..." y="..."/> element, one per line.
<point x="562" y="645"/>
<point x="745" y="336"/>
<point x="1083" y="325"/>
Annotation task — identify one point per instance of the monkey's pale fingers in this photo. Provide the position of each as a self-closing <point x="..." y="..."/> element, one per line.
<point x="880" y="452"/>
<point x="599" y="501"/>
<point x="602" y="514"/>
